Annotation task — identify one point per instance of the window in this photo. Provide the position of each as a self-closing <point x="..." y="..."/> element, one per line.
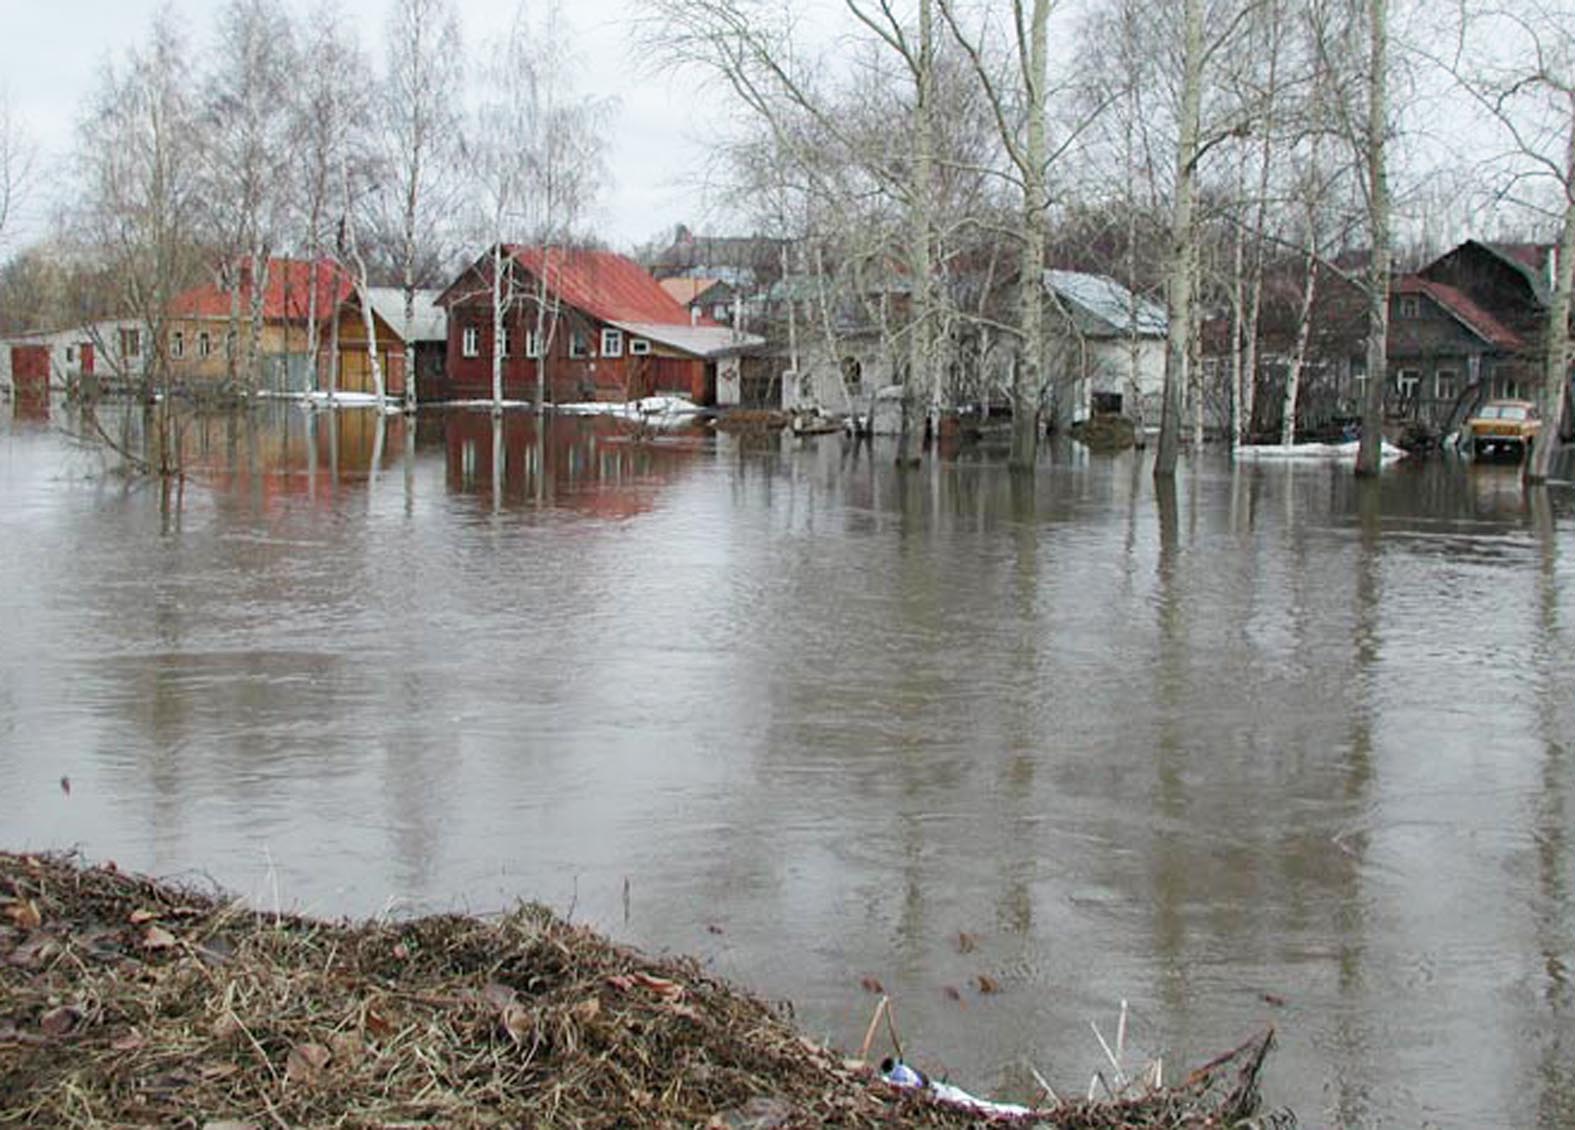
<point x="612" y="343"/>
<point x="1509" y="388"/>
<point x="532" y="343"/>
<point x="1446" y="384"/>
<point x="719" y="312"/>
<point x="1410" y="307"/>
<point x="71" y="355"/>
<point x="204" y="344"/>
<point x="470" y="341"/>
<point x="505" y="341"/>
<point x="177" y="344"/>
<point x="130" y="343"/>
<point x="639" y="347"/>
<point x="1407" y="380"/>
<point x="579" y="346"/>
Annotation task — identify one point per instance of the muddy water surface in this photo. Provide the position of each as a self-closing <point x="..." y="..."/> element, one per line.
<point x="1266" y="748"/>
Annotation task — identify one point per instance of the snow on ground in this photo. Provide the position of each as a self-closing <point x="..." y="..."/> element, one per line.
<point x="1322" y="452"/>
<point x="644" y="409"/>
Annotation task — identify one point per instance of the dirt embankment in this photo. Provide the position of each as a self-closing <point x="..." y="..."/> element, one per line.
<point x="127" y="1002"/>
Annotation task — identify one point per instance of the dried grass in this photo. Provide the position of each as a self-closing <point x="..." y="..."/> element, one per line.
<point x="127" y="1002"/>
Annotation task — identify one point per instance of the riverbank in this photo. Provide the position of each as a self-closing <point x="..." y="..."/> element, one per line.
<point x="126" y="1001"/>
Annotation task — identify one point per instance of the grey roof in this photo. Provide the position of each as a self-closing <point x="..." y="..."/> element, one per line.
<point x="702" y="341"/>
<point x="1102" y="307"/>
<point x="431" y="320"/>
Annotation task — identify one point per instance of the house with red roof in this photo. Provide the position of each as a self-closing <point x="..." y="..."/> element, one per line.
<point x="594" y="325"/>
<point x="203" y="321"/>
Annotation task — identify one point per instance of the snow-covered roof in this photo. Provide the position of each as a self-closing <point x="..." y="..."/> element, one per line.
<point x="702" y="340"/>
<point x="430" y="322"/>
<point x="1105" y="308"/>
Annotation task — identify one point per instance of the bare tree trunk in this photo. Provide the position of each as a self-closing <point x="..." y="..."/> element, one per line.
<point x="497" y="325"/>
<point x="1183" y="239"/>
<point x="1293" y="376"/>
<point x="1369" y="456"/>
<point x="1555" y="361"/>
<point x="920" y="253"/>
<point x="1030" y="375"/>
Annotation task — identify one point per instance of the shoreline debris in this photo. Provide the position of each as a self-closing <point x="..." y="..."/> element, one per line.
<point x="130" y="1002"/>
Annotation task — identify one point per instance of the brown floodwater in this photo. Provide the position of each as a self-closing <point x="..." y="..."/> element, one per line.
<point x="1270" y="747"/>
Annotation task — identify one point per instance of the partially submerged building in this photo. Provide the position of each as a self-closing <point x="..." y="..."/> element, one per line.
<point x="588" y="324"/>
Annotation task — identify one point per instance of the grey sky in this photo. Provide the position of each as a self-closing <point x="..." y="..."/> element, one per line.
<point x="52" y="52"/>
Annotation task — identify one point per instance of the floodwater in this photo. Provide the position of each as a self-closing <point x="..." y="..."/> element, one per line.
<point x="1271" y="747"/>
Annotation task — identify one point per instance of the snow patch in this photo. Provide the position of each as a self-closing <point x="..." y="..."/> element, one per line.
<point x="1314" y="452"/>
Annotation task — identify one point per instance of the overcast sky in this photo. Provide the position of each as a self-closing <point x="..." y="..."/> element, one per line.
<point x="51" y="51"/>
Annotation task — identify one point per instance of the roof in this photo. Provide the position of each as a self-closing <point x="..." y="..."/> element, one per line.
<point x="608" y="286"/>
<point x="1102" y="307"/>
<point x="430" y="322"/>
<point x="687" y="290"/>
<point x="706" y="340"/>
<point x="1476" y="319"/>
<point x="287" y="296"/>
<point x="1529" y="259"/>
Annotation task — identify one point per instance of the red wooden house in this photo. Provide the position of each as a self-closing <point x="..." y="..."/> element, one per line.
<point x="609" y="332"/>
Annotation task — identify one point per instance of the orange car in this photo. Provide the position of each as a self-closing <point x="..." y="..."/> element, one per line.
<point x="1503" y="425"/>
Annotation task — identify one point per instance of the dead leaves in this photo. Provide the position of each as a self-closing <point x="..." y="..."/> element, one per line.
<point x="24" y="913"/>
<point x="158" y="938"/>
<point x="58" y="1022"/>
<point x="306" y="1063"/>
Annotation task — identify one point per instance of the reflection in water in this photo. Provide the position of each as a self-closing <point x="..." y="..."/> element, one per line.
<point x="1257" y="736"/>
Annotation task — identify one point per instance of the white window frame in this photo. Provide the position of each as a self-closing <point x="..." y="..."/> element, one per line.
<point x="532" y="343"/>
<point x="719" y="312"/>
<point x="1410" y="306"/>
<point x="177" y="343"/>
<point x="1407" y="381"/>
<point x="131" y="342"/>
<point x="612" y="342"/>
<point x="204" y="344"/>
<point x="579" y="344"/>
<point x="470" y="341"/>
<point x="639" y="347"/>
<point x="505" y="341"/>
<point x="1450" y="375"/>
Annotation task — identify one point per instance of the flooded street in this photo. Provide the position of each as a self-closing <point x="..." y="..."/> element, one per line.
<point x="1271" y="747"/>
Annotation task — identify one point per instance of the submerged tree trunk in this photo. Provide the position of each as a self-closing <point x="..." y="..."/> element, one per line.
<point x="1293" y="375"/>
<point x="1183" y="238"/>
<point x="1369" y="456"/>
<point x="920" y="252"/>
<point x="1030" y="375"/>
<point x="1555" y="361"/>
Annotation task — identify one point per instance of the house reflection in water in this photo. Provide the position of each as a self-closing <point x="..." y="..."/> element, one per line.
<point x="592" y="464"/>
<point x="283" y="452"/>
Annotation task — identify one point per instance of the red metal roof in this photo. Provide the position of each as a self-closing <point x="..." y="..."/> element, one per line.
<point x="608" y="286"/>
<point x="1474" y="317"/>
<point x="287" y="296"/>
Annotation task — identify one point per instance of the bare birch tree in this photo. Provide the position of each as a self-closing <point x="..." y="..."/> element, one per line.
<point x="421" y="97"/>
<point x="140" y="184"/>
<point x="330" y="110"/>
<point x="1525" y="84"/>
<point x="1020" y="121"/>
<point x="1373" y="153"/>
<point x="248" y="145"/>
<point x="17" y="160"/>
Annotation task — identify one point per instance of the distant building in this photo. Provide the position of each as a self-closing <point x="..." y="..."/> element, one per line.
<point x="200" y="352"/>
<point x="1106" y="346"/>
<point x="612" y="333"/>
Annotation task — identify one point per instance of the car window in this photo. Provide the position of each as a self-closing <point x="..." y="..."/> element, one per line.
<point x="1512" y="412"/>
<point x="1489" y="412"/>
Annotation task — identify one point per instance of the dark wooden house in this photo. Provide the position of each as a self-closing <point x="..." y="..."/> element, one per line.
<point x="594" y="323"/>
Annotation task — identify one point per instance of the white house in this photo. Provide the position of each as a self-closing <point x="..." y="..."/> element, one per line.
<point x="1107" y="346"/>
<point x="112" y="349"/>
